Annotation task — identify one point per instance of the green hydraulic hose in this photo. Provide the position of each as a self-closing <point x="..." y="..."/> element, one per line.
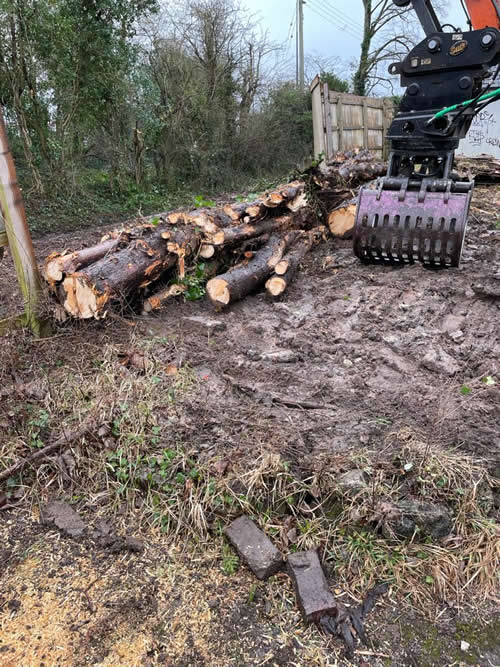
<point x="486" y="96"/>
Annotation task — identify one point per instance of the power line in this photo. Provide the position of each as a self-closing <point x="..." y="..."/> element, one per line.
<point x="340" y="28"/>
<point x="290" y="29"/>
<point x="340" y="21"/>
<point x="340" y="15"/>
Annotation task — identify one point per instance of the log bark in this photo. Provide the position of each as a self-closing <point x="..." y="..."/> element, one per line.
<point x="88" y="293"/>
<point x="341" y="219"/>
<point x="243" y="278"/>
<point x="235" y="235"/>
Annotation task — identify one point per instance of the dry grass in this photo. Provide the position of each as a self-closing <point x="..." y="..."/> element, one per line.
<point x="148" y="462"/>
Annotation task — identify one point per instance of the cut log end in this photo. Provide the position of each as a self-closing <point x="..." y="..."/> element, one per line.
<point x="218" y="291"/>
<point x="53" y="270"/>
<point x="207" y="251"/>
<point x="276" y="285"/>
<point x="281" y="267"/>
<point x="81" y="300"/>
<point x="341" y="221"/>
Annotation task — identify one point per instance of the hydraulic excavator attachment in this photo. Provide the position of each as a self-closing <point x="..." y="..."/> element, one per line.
<point x="419" y="209"/>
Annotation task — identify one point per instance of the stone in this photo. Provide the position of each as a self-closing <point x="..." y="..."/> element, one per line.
<point x="436" y="359"/>
<point x="431" y="519"/>
<point x="254" y="547"/>
<point x="352" y="482"/>
<point x="64" y="517"/>
<point x="311" y="588"/>
<point x="456" y="335"/>
<point x="209" y="324"/>
<point x="280" y="356"/>
<point x="452" y="323"/>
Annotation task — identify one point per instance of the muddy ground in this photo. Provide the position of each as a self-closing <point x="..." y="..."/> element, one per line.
<point x="351" y="354"/>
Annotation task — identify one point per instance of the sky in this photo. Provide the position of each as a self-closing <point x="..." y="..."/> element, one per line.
<point x="332" y="28"/>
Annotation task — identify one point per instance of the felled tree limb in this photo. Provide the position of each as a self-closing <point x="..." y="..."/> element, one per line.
<point x="88" y="292"/>
<point x="243" y="278"/>
<point x="350" y="170"/>
<point x="157" y="300"/>
<point x="235" y="235"/>
<point x="286" y="268"/>
<point x="57" y="265"/>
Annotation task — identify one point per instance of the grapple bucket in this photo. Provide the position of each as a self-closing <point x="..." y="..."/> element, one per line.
<point x="400" y="227"/>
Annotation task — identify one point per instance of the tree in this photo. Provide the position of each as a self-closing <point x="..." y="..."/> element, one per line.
<point x="64" y="88"/>
<point x="334" y="82"/>
<point x="389" y="32"/>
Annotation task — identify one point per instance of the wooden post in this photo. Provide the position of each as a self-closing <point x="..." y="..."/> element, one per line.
<point x="328" y="122"/>
<point x="19" y="239"/>
<point x="340" y="120"/>
<point x="365" y="123"/>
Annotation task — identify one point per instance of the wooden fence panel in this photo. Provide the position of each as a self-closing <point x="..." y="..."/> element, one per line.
<point x="344" y="122"/>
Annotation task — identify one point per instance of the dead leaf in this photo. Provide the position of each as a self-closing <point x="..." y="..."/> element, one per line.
<point x="221" y="466"/>
<point x="171" y="369"/>
<point x="134" y="359"/>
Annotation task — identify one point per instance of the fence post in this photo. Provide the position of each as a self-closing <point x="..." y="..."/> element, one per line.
<point x="365" y="123"/>
<point x="387" y="114"/>
<point x="19" y="239"/>
<point x="328" y="122"/>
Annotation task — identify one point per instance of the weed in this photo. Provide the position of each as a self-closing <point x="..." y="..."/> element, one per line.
<point x="230" y="561"/>
<point x="194" y="281"/>
<point x="201" y="202"/>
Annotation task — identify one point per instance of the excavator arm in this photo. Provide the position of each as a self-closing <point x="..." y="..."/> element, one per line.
<point x="419" y="210"/>
<point x="484" y="13"/>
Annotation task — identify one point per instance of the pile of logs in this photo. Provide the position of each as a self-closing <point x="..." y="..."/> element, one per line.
<point x="240" y="246"/>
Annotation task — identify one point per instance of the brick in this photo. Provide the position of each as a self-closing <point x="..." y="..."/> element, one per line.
<point x="311" y="588"/>
<point x="254" y="547"/>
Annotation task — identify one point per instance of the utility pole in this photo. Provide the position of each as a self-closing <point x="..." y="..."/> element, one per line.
<point x="299" y="55"/>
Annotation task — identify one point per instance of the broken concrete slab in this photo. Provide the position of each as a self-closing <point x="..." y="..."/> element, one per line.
<point x="311" y="588"/>
<point x="418" y="520"/>
<point x="254" y="547"/>
<point x="64" y="517"/>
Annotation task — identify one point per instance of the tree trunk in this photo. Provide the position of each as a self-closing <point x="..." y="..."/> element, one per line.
<point x="360" y="79"/>
<point x="138" y="154"/>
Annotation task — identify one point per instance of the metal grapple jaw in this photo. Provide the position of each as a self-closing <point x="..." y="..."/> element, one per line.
<point x="404" y="221"/>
